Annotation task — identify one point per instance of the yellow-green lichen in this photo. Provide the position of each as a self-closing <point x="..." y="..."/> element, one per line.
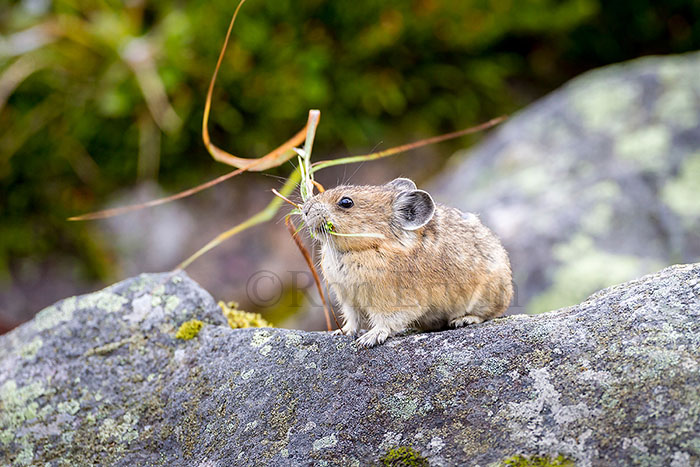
<point x="683" y="193"/>
<point x="70" y="407"/>
<point x="676" y="104"/>
<point x="404" y="407"/>
<point x="401" y="406"/>
<point x="242" y="319"/>
<point x="18" y="405"/>
<point x="585" y="269"/>
<point x="536" y="461"/>
<point x="604" y="104"/>
<point x="29" y="351"/>
<point x="292" y="340"/>
<point x="26" y="455"/>
<point x="189" y="329"/>
<point x="107" y="302"/>
<point x="647" y="147"/>
<point x="403" y="456"/>
<point x="54" y="315"/>
<point x="260" y="338"/>
<point x="325" y="442"/>
<point x="171" y="303"/>
<point x="125" y="431"/>
<point x="533" y="179"/>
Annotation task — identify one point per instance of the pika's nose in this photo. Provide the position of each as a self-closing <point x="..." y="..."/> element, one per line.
<point x="306" y="208"/>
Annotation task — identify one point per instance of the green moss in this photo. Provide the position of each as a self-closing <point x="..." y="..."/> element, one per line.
<point x="537" y="461"/>
<point x="242" y="319"/>
<point x="189" y="329"/>
<point x="403" y="456"/>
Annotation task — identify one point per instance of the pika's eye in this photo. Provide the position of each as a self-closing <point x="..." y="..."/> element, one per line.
<point x="345" y="202"/>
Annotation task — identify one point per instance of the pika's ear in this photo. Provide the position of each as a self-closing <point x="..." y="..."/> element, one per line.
<point x="413" y="209"/>
<point x="402" y="184"/>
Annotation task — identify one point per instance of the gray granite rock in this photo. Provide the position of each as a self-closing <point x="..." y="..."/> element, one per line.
<point x="595" y="184"/>
<point x="101" y="379"/>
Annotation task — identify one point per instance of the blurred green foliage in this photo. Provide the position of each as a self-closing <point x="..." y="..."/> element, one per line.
<point x="95" y="95"/>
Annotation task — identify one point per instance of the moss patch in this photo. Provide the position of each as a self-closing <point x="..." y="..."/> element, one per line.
<point x="537" y="461"/>
<point x="403" y="456"/>
<point x="189" y="329"/>
<point x="242" y="319"/>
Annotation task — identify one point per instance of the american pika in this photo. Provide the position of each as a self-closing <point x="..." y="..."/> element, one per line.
<point x="396" y="260"/>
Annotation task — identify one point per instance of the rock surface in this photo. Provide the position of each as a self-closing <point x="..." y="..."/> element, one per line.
<point x="593" y="185"/>
<point x="101" y="379"/>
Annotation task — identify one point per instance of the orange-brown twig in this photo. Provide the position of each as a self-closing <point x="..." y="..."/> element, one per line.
<point x="276" y="157"/>
<point x="280" y="195"/>
<point x="305" y="253"/>
<point x="316" y="166"/>
<point x="318" y="186"/>
<point x="183" y="194"/>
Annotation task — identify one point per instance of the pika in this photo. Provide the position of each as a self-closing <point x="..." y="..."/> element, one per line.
<point x="395" y="260"/>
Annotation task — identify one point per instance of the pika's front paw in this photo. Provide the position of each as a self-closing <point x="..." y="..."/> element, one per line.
<point x="372" y="338"/>
<point x="465" y="320"/>
<point x="346" y="330"/>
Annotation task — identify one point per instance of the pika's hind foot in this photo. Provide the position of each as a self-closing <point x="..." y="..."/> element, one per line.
<point x="465" y="320"/>
<point x="372" y="337"/>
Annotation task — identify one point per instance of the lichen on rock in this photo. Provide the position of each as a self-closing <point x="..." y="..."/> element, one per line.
<point x="242" y="319"/>
<point x="536" y="461"/>
<point x="592" y="185"/>
<point x="611" y="381"/>
<point x="403" y="456"/>
<point x="189" y="329"/>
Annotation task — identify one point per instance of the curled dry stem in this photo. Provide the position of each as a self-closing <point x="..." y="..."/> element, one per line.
<point x="302" y="175"/>
<point x="273" y="159"/>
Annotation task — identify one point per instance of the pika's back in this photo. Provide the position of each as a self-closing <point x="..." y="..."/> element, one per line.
<point x="453" y="233"/>
<point x="451" y="248"/>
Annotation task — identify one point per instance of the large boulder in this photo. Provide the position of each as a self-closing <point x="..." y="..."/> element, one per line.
<point x="595" y="184"/>
<point x="102" y="379"/>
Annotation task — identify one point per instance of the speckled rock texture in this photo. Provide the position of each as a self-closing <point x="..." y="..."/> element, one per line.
<point x="101" y="379"/>
<point x="593" y="185"/>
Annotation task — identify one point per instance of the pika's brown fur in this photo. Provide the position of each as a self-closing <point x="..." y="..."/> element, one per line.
<point x="420" y="264"/>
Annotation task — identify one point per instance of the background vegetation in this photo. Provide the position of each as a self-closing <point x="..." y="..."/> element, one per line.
<point x="98" y="95"/>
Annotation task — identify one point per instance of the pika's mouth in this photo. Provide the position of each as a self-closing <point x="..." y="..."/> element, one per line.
<point x="324" y="228"/>
<point x="317" y="224"/>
